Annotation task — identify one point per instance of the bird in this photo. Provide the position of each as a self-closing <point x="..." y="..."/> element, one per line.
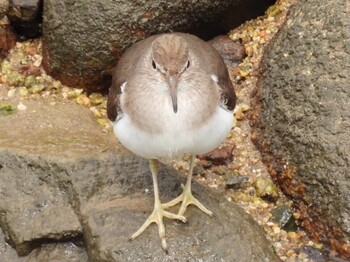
<point x="171" y="95"/>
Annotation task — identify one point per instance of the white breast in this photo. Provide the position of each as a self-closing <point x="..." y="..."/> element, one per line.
<point x="177" y="138"/>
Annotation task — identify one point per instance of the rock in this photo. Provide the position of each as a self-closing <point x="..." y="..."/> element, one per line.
<point x="235" y="180"/>
<point x="313" y="253"/>
<point x="283" y="216"/>
<point x="67" y="251"/>
<point x="31" y="209"/>
<point x="266" y="189"/>
<point x="301" y="117"/>
<point x="4" y="5"/>
<point x="83" y="41"/>
<point x="7" y="37"/>
<point x="25" y="17"/>
<point x="219" y="156"/>
<point x="64" y="152"/>
<point x="233" y="52"/>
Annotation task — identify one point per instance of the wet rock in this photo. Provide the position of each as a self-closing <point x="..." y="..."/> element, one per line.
<point x="231" y="51"/>
<point x="283" y="216"/>
<point x="7" y="37"/>
<point x="219" y="156"/>
<point x="64" y="147"/>
<point x="301" y="120"/>
<point x="77" y="60"/>
<point x="235" y="180"/>
<point x="25" y="17"/>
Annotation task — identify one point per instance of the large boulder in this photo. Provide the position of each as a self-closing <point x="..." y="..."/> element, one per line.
<point x="56" y="162"/>
<point x="82" y="40"/>
<point x="301" y="116"/>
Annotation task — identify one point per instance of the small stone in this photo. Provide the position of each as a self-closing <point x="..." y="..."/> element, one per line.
<point x="38" y="60"/>
<point x="257" y="200"/>
<point x="83" y="100"/>
<point x="290" y="253"/>
<point x="5" y="68"/>
<point x="30" y="80"/>
<point x="56" y="84"/>
<point x="219" y="156"/>
<point x="266" y="189"/>
<point x="23" y="91"/>
<point x="21" y="107"/>
<point x="35" y="89"/>
<point x="102" y="121"/>
<point x="312" y="253"/>
<point x="283" y="216"/>
<point x="273" y="10"/>
<point x="235" y="181"/>
<point x="220" y="170"/>
<point x="292" y="235"/>
<point x="240" y="110"/>
<point x="198" y="170"/>
<point x="11" y="93"/>
<point x="72" y="94"/>
<point x="96" y="99"/>
<point x="14" y="78"/>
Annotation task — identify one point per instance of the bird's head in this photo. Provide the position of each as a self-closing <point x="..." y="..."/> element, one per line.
<point x="170" y="58"/>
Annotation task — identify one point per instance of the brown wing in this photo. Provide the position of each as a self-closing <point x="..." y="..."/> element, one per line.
<point x="228" y="95"/>
<point x="113" y="101"/>
<point x="124" y="70"/>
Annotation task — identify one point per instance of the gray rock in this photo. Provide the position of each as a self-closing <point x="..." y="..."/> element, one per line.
<point x="302" y="118"/>
<point x="82" y="40"/>
<point x="31" y="209"/>
<point x="106" y="186"/>
<point x="4" y="5"/>
<point x="67" y="251"/>
<point x="283" y="216"/>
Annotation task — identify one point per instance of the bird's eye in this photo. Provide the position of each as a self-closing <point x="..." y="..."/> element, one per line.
<point x="188" y="64"/>
<point x="154" y="65"/>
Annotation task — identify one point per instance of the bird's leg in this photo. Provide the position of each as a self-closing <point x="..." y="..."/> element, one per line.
<point x="158" y="211"/>
<point x="186" y="197"/>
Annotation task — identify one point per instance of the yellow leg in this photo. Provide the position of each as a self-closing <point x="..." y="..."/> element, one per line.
<point x="186" y="197"/>
<point x="158" y="211"/>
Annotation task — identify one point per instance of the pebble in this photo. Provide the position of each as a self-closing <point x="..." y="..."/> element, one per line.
<point x="21" y="106"/>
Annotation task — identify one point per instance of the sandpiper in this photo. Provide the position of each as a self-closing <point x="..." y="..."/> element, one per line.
<point x="171" y="95"/>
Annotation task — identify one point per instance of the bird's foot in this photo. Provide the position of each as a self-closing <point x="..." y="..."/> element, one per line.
<point x="157" y="217"/>
<point x="187" y="199"/>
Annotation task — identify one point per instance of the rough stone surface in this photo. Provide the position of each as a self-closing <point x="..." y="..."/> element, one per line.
<point x="302" y="116"/>
<point x="31" y="209"/>
<point x="67" y="251"/>
<point x="84" y="39"/>
<point x="63" y="147"/>
<point x="233" y="52"/>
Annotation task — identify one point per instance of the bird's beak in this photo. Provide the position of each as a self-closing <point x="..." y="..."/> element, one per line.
<point x="172" y="81"/>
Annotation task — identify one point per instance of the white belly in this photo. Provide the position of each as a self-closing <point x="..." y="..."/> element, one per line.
<point x="177" y="138"/>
